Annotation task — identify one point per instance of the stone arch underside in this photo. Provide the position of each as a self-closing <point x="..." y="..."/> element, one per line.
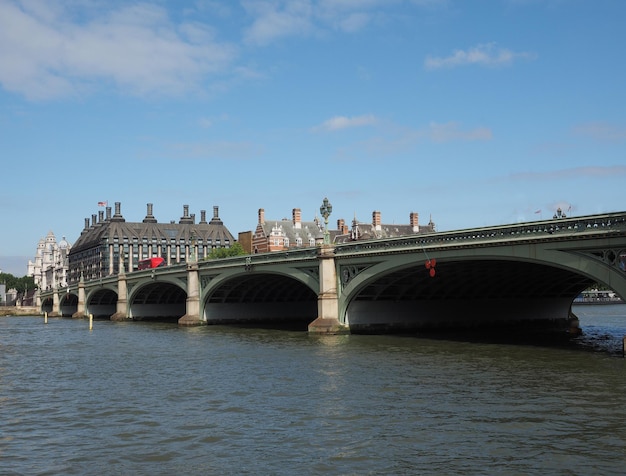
<point x="157" y="301"/>
<point x="101" y="303"/>
<point x="465" y="294"/>
<point x="68" y="304"/>
<point x="261" y="299"/>
<point x="47" y="305"/>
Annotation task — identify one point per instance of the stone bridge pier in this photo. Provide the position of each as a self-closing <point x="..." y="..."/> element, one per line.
<point x="192" y="317"/>
<point x="327" y="321"/>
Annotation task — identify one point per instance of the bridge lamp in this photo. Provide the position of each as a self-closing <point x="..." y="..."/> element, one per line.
<point x="326" y="209"/>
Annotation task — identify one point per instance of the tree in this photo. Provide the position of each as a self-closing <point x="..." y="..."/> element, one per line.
<point x="235" y="250"/>
<point x="19" y="284"/>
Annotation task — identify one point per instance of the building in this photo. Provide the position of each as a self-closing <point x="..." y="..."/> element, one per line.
<point x="50" y="266"/>
<point x="281" y="235"/>
<point x="108" y="241"/>
<point x="377" y="230"/>
<point x="285" y="234"/>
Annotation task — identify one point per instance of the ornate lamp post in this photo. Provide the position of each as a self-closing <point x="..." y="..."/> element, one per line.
<point x="192" y="248"/>
<point x="326" y="209"/>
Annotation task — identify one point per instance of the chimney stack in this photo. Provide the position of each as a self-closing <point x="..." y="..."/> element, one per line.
<point x="376" y="220"/>
<point x="149" y="217"/>
<point x="118" y="212"/>
<point x="297" y="223"/>
<point x="216" y="216"/>
<point x="261" y="216"/>
<point x="185" y="218"/>
<point x="202" y="217"/>
<point x="414" y="221"/>
<point x="342" y="227"/>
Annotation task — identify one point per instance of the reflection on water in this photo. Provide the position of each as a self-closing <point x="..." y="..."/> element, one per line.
<point x="604" y="327"/>
<point x="149" y="398"/>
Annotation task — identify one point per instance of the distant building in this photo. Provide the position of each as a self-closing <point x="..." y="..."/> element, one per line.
<point x="108" y="240"/>
<point x="378" y="230"/>
<point x="281" y="235"/>
<point x="285" y="234"/>
<point x="50" y="266"/>
<point x="244" y="238"/>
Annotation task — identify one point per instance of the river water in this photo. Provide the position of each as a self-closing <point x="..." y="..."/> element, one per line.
<point x="158" y="399"/>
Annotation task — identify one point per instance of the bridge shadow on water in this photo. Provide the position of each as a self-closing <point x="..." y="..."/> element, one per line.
<point x="591" y="339"/>
<point x="292" y="325"/>
<point x="587" y="341"/>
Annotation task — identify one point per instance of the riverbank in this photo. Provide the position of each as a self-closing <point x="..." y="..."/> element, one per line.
<point x="18" y="311"/>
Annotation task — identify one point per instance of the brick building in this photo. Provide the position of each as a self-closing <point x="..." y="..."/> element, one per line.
<point x="378" y="230"/>
<point x="285" y="234"/>
<point x="280" y="235"/>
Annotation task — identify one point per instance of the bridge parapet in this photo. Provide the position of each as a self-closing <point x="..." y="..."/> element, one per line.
<point x="528" y="231"/>
<point x="297" y="254"/>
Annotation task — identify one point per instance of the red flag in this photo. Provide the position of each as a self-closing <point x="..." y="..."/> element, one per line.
<point x="102" y="204"/>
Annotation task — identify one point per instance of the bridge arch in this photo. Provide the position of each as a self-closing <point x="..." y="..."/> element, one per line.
<point x="489" y="286"/>
<point x="47" y="304"/>
<point x="157" y="300"/>
<point x="268" y="296"/>
<point x="68" y="304"/>
<point x="101" y="302"/>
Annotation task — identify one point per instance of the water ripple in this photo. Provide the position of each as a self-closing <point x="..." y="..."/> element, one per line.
<point x="160" y="400"/>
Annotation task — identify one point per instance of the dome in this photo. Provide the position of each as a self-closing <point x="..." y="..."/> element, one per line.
<point x="63" y="244"/>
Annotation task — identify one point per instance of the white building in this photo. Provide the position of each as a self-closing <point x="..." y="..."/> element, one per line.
<point x="50" y="268"/>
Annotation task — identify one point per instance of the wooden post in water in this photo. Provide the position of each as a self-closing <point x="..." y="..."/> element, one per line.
<point x="90" y="321"/>
<point x="45" y="317"/>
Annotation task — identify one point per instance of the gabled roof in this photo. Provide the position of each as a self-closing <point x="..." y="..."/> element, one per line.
<point x="306" y="229"/>
<point x="368" y="231"/>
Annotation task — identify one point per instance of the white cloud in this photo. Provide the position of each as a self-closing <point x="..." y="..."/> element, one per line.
<point x="452" y="131"/>
<point x="485" y="55"/>
<point x="394" y="140"/>
<point x="137" y="49"/>
<point x="275" y="20"/>
<point x="342" y="122"/>
<point x="354" y="22"/>
<point x="601" y="131"/>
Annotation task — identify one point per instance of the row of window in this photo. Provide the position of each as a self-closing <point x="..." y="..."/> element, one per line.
<point x="285" y="241"/>
<point x="172" y="241"/>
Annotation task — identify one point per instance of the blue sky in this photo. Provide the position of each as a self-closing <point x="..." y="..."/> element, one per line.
<point x="476" y="113"/>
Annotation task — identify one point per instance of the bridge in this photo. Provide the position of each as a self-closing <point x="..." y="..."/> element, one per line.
<point x="524" y="275"/>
